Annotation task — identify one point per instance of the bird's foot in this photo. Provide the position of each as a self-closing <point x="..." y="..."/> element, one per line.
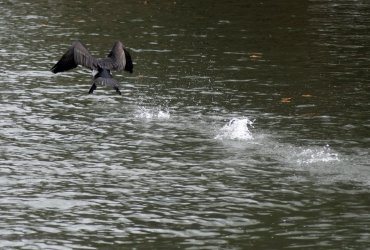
<point x="118" y="91"/>
<point x="93" y="87"/>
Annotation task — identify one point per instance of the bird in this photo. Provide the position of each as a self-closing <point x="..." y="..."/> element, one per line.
<point x="118" y="59"/>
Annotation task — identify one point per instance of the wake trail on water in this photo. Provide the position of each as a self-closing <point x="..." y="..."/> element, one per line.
<point x="322" y="162"/>
<point x="152" y="113"/>
<point x="240" y="133"/>
<point x="241" y="130"/>
<point x="312" y="155"/>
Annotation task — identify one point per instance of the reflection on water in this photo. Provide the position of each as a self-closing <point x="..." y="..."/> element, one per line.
<point x="245" y="126"/>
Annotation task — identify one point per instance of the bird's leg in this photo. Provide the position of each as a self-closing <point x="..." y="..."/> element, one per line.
<point x="117" y="90"/>
<point x="92" y="88"/>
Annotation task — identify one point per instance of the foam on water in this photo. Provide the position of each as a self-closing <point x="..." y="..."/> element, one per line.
<point x="316" y="155"/>
<point x="236" y="129"/>
<point x="325" y="165"/>
<point x="152" y="113"/>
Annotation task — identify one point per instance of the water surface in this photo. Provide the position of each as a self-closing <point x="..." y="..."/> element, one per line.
<point x="244" y="126"/>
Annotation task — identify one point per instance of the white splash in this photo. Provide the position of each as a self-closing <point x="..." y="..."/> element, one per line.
<point x="316" y="155"/>
<point x="163" y="114"/>
<point x="153" y="113"/>
<point x="236" y="129"/>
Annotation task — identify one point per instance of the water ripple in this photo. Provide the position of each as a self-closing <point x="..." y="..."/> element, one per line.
<point x="175" y="161"/>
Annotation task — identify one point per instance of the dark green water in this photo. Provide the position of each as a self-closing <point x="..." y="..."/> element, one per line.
<point x="175" y="163"/>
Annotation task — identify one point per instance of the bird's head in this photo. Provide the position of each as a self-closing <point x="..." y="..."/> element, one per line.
<point x="129" y="66"/>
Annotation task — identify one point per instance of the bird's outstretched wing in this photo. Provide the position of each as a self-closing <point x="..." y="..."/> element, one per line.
<point x="76" y="55"/>
<point x="118" y="59"/>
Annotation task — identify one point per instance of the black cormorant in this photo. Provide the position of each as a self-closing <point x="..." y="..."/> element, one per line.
<point x="117" y="59"/>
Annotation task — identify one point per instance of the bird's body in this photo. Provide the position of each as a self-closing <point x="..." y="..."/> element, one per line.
<point x="118" y="59"/>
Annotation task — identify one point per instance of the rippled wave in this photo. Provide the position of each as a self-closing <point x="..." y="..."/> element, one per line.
<point x="177" y="161"/>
